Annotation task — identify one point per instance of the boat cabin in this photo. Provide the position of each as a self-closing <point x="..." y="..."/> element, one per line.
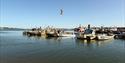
<point x="89" y="31"/>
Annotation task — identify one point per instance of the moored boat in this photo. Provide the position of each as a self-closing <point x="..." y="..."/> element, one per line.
<point x="61" y="34"/>
<point x="104" y="37"/>
<point x="88" y="34"/>
<point x="52" y="34"/>
<point x="120" y="36"/>
<point x="67" y="34"/>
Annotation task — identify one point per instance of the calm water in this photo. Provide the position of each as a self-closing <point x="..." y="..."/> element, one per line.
<point x="16" y="48"/>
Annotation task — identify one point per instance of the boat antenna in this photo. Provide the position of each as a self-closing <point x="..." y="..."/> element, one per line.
<point x="88" y="26"/>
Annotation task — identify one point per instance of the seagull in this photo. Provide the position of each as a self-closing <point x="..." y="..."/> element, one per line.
<point x="61" y="11"/>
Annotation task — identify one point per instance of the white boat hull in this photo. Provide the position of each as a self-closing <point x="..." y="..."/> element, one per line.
<point x="85" y="36"/>
<point x="67" y="35"/>
<point x="104" y="37"/>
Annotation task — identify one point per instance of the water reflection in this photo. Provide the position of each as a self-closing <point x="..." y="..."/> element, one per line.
<point x="78" y="42"/>
<point x="92" y="43"/>
<point x="39" y="49"/>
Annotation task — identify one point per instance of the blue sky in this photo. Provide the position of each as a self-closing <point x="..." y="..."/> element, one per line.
<point x="35" y="13"/>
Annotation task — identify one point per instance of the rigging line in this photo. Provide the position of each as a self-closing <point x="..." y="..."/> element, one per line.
<point x="123" y="11"/>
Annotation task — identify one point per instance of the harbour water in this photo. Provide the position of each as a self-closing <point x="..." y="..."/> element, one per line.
<point x="17" y="48"/>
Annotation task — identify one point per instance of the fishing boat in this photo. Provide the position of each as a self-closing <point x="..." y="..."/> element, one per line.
<point x="61" y="34"/>
<point x="52" y="34"/>
<point x="120" y="36"/>
<point x="88" y="34"/>
<point x="32" y="33"/>
<point x="103" y="34"/>
<point x="67" y="34"/>
<point x="104" y="37"/>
